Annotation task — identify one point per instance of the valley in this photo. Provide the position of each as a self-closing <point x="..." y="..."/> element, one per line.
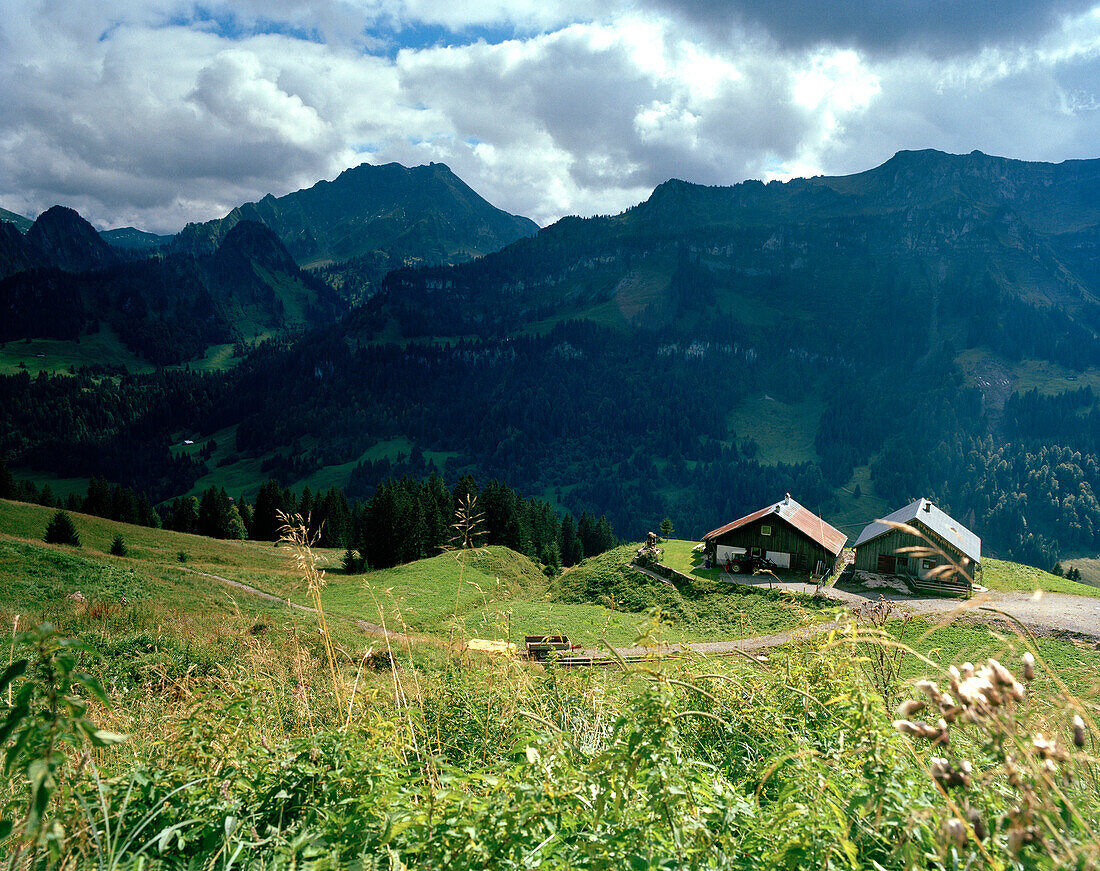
<point x="707" y="348"/>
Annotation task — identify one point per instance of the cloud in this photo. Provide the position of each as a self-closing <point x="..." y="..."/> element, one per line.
<point x="155" y="113"/>
<point x="934" y="27"/>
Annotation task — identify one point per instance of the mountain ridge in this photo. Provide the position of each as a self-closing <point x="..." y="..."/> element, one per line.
<point x="369" y="208"/>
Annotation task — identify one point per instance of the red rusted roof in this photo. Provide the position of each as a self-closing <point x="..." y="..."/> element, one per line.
<point x="748" y="518"/>
<point x="802" y="519"/>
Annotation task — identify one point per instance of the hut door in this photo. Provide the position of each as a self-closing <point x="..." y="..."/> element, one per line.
<point x="887" y="564"/>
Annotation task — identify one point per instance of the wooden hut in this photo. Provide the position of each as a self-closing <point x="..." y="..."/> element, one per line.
<point x="785" y="533"/>
<point x="950" y="568"/>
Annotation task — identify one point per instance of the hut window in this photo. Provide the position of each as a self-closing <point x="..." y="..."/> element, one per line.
<point x="928" y="564"/>
<point x="765" y="530"/>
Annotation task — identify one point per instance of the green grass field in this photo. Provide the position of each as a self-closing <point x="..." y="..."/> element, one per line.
<point x="1043" y="375"/>
<point x="784" y="432"/>
<point x="102" y="348"/>
<point x="239" y="474"/>
<point x="489" y="592"/>
<point x="1001" y="575"/>
<point x="55" y="356"/>
<point x="238" y="734"/>
<point x="1088" y="566"/>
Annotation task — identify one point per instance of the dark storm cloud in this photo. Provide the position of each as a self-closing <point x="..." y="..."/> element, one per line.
<point x="936" y="27"/>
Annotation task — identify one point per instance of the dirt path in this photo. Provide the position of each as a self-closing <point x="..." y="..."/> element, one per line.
<point x="1050" y="613"/>
<point x="372" y="628"/>
<point x="1047" y="614"/>
<point x="719" y="648"/>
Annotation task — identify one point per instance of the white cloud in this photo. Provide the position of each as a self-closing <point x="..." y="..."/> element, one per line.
<point x="154" y="113"/>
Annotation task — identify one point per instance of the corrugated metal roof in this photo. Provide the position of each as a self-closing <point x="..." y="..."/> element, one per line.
<point x="802" y="519"/>
<point x="932" y="518"/>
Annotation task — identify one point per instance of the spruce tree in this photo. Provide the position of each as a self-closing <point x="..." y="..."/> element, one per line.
<point x="572" y="552"/>
<point x="62" y="530"/>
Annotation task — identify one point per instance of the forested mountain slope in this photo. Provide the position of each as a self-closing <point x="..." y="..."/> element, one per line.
<point x="926" y="328"/>
<point x="857" y="296"/>
<point x="166" y="309"/>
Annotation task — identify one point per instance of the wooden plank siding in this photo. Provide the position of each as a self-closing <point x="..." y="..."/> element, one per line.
<point x="877" y="555"/>
<point x="804" y="552"/>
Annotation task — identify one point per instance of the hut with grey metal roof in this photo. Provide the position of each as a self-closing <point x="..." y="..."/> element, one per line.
<point x="786" y="534"/>
<point x="922" y="543"/>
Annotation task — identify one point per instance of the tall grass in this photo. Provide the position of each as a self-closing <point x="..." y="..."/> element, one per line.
<point x="296" y="748"/>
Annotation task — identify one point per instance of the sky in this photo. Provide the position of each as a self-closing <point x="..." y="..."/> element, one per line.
<point x="153" y="113"/>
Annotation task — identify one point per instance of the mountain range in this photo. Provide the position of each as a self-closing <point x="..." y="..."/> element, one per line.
<point x="930" y="327"/>
<point x="186" y="296"/>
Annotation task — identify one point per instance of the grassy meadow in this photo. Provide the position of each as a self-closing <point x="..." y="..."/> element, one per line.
<point x="198" y="726"/>
<point x="1001" y="575"/>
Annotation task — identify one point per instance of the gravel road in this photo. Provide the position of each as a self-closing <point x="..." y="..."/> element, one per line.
<point x="1044" y="614"/>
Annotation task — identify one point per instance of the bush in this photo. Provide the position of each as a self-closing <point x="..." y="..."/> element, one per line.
<point x="61" y="530"/>
<point x="118" y="546"/>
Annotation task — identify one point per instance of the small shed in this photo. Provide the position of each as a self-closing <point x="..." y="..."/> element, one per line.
<point x="957" y="556"/>
<point x="789" y="535"/>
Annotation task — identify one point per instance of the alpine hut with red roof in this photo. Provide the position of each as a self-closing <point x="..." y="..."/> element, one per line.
<point x="786" y="534"/>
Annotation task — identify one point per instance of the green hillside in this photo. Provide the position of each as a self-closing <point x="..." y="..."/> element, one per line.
<point x="229" y="734"/>
<point x="22" y="223"/>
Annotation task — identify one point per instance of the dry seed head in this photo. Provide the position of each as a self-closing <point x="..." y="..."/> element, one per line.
<point x="1029" y="666"/>
<point x="907" y="727"/>
<point x="910" y="707"/>
<point x="930" y="689"/>
<point x="1046" y="749"/>
<point x="937" y="733"/>
<point x="955" y="831"/>
<point x="1078" y="731"/>
<point x="950" y="776"/>
<point x="977" y="823"/>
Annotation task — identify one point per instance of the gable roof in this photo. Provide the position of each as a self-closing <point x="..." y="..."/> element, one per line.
<point x="802" y="519"/>
<point x="932" y="518"/>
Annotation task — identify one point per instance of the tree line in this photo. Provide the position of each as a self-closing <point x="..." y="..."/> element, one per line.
<point x="404" y="520"/>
